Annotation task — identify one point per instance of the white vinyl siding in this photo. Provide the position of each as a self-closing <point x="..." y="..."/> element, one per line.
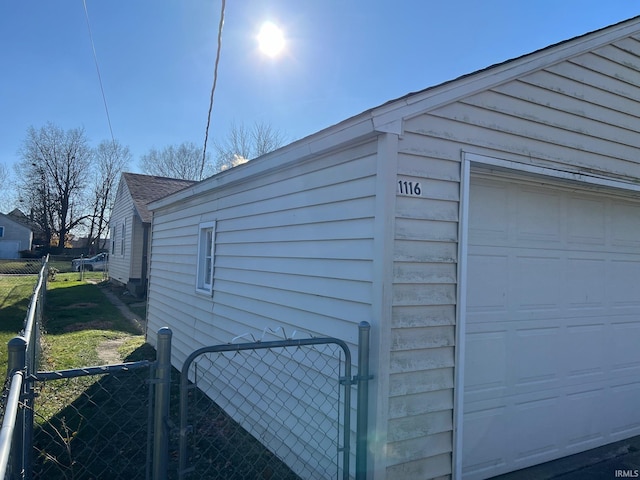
<point x="293" y="249"/>
<point x="206" y="245"/>
<point x="121" y="217"/>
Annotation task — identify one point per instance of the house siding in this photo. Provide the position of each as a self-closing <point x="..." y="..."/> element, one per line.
<point x="136" y="247"/>
<point x="119" y="267"/>
<point x="294" y="245"/>
<point x="293" y="249"/>
<point x="578" y="115"/>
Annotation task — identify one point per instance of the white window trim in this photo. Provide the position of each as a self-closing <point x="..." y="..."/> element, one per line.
<point x="205" y="285"/>
<point x="123" y="234"/>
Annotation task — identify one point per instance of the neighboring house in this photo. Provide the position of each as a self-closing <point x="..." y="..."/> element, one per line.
<point x="487" y="227"/>
<point x="14" y="237"/>
<point x="38" y="238"/>
<point x="129" y="226"/>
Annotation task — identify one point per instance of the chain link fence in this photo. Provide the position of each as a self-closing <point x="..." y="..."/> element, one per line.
<point x="290" y="396"/>
<point x="104" y="431"/>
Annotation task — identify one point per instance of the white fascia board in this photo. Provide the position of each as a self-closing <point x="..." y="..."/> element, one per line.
<point x="350" y="131"/>
<point x="421" y="102"/>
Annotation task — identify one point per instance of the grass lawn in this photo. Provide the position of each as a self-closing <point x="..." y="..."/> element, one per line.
<point x="15" y="294"/>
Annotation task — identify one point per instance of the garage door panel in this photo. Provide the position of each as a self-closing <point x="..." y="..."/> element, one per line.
<point x="531" y="287"/>
<point x="491" y="374"/>
<point x="538" y="218"/>
<point x="586" y="221"/>
<point x="588" y="360"/>
<point x="539" y="351"/>
<point x="624" y="348"/>
<point x="587" y="429"/>
<point x="623" y="285"/>
<point x="623" y="403"/>
<point x="586" y="284"/>
<point x="552" y="322"/>
<point x="624" y="220"/>
<point x="491" y="213"/>
<point x="489" y="296"/>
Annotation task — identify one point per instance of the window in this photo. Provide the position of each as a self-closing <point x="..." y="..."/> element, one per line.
<point x="1" y="232"/>
<point x="113" y="240"/>
<point x="206" y="249"/>
<point x="122" y="237"/>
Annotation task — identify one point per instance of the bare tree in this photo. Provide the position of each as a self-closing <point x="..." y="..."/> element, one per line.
<point x="182" y="161"/>
<point x="53" y="178"/>
<point x="244" y="143"/>
<point x="110" y="158"/>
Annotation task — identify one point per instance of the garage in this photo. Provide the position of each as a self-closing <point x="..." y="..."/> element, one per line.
<point x="9" y="249"/>
<point x="551" y="365"/>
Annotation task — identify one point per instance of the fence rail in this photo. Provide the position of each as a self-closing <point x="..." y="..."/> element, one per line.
<point x="23" y="355"/>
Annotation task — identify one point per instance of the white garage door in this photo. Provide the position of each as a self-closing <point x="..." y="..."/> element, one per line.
<point x="9" y="249"/>
<point x="552" y="354"/>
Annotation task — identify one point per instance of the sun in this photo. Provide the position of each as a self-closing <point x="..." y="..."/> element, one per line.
<point x="270" y="39"/>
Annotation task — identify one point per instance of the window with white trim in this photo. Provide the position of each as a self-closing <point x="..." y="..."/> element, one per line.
<point x="206" y="250"/>
<point x="113" y="240"/>
<point x="122" y="234"/>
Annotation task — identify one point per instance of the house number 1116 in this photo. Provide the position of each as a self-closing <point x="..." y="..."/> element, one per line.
<point x="409" y="188"/>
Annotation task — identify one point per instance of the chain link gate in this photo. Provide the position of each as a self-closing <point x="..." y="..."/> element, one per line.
<point x="273" y="410"/>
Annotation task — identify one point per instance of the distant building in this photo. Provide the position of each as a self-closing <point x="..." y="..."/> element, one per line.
<point x="130" y="224"/>
<point x="15" y="236"/>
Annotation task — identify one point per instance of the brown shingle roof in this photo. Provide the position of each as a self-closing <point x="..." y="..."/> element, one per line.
<point x="147" y="188"/>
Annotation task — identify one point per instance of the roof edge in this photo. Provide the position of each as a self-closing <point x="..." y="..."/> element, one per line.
<point x="415" y="103"/>
<point x="352" y="130"/>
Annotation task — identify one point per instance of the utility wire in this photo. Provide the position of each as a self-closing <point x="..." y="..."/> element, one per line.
<point x="213" y="89"/>
<point x="95" y="59"/>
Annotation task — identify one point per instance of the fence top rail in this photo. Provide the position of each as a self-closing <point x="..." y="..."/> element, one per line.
<point x="87" y="371"/>
<point x="28" y="327"/>
<point x="237" y="347"/>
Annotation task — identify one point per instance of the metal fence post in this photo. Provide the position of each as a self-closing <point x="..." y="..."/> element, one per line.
<point x="17" y="360"/>
<point x="161" y="409"/>
<point x="363" y="401"/>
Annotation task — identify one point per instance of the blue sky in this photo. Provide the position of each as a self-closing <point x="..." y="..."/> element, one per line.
<point x="342" y="57"/>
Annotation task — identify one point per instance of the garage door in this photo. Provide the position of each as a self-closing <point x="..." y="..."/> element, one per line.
<point x="9" y="249"/>
<point x="552" y="353"/>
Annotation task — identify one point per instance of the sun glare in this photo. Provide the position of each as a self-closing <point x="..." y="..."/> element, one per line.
<point x="270" y="39"/>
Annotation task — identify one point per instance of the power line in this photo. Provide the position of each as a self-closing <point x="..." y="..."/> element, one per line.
<point x="213" y="88"/>
<point x="95" y="59"/>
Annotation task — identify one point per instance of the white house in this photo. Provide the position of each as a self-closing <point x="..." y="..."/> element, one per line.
<point x="129" y="226"/>
<point x="14" y="237"/>
<point x="489" y="230"/>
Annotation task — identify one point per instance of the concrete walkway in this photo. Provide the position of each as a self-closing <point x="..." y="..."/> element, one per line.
<point x="136" y="320"/>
